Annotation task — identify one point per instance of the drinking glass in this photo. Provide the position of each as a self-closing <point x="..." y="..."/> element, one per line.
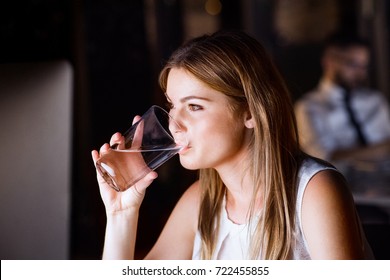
<point x="148" y="143"/>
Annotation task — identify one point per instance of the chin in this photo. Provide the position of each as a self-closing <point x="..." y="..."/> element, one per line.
<point x="189" y="164"/>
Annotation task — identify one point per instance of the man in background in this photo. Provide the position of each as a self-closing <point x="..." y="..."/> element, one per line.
<point x="342" y="118"/>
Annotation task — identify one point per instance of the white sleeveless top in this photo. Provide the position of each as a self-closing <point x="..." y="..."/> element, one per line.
<point x="234" y="239"/>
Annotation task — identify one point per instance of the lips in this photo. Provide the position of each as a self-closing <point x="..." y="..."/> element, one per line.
<point x="182" y="142"/>
<point x="184" y="149"/>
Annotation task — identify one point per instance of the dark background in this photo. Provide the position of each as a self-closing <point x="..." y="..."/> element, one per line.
<point x="116" y="49"/>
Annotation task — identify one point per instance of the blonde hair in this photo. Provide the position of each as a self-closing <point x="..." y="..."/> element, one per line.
<point x="238" y="66"/>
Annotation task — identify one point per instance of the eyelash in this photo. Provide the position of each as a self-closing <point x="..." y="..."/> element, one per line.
<point x="191" y="107"/>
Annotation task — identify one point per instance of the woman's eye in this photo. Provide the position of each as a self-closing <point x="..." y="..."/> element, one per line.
<point x="194" y="107"/>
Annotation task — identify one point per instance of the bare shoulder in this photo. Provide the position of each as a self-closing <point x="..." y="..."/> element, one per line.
<point x="327" y="186"/>
<point x="329" y="218"/>
<point x="189" y="204"/>
<point x="186" y="210"/>
<point x="192" y="194"/>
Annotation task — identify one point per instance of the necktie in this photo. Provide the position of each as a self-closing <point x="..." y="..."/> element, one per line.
<point x="355" y="124"/>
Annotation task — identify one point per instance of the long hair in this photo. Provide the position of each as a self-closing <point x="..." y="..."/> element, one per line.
<point x="238" y="66"/>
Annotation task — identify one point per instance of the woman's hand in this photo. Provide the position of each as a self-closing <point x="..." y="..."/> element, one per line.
<point x="130" y="199"/>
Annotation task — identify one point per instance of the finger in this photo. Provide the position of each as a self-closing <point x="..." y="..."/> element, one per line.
<point x="104" y="148"/>
<point x="136" y="119"/>
<point x="117" y="141"/>
<point x="151" y="176"/>
<point x="95" y="156"/>
<point x="145" y="182"/>
<point x="115" y="138"/>
<point x="122" y="143"/>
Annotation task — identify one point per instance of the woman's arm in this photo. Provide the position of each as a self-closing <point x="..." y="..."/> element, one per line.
<point x="329" y="219"/>
<point x="177" y="238"/>
<point x="121" y="231"/>
<point x="121" y="209"/>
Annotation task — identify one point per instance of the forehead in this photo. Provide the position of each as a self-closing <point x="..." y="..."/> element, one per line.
<point x="181" y="84"/>
<point x="358" y="52"/>
<point x="181" y="78"/>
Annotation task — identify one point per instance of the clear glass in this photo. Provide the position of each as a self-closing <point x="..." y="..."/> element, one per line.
<point x="148" y="144"/>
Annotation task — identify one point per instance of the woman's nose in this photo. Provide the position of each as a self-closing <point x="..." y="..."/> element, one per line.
<point x="177" y="126"/>
<point x="177" y="117"/>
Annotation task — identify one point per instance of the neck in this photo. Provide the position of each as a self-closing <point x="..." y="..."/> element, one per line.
<point x="239" y="185"/>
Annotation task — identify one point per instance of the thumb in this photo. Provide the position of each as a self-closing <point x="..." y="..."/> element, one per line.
<point x="141" y="186"/>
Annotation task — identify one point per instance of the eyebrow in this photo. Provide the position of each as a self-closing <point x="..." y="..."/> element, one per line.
<point x="184" y="99"/>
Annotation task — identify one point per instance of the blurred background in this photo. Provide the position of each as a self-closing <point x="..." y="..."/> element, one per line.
<point x="74" y="72"/>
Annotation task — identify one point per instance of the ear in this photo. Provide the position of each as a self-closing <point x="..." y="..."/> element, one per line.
<point x="249" y="122"/>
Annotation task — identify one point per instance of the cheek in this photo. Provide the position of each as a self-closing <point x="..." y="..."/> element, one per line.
<point x="218" y="134"/>
<point x="348" y="73"/>
<point x="213" y="144"/>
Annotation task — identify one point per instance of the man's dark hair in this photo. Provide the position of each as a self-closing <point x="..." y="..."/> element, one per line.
<point x="345" y="40"/>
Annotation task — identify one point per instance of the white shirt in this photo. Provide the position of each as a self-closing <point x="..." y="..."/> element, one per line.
<point x="324" y="125"/>
<point x="233" y="241"/>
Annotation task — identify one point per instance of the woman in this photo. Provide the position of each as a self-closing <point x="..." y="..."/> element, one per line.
<point x="258" y="195"/>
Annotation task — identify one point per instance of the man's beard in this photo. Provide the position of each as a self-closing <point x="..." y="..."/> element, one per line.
<point x="350" y="85"/>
